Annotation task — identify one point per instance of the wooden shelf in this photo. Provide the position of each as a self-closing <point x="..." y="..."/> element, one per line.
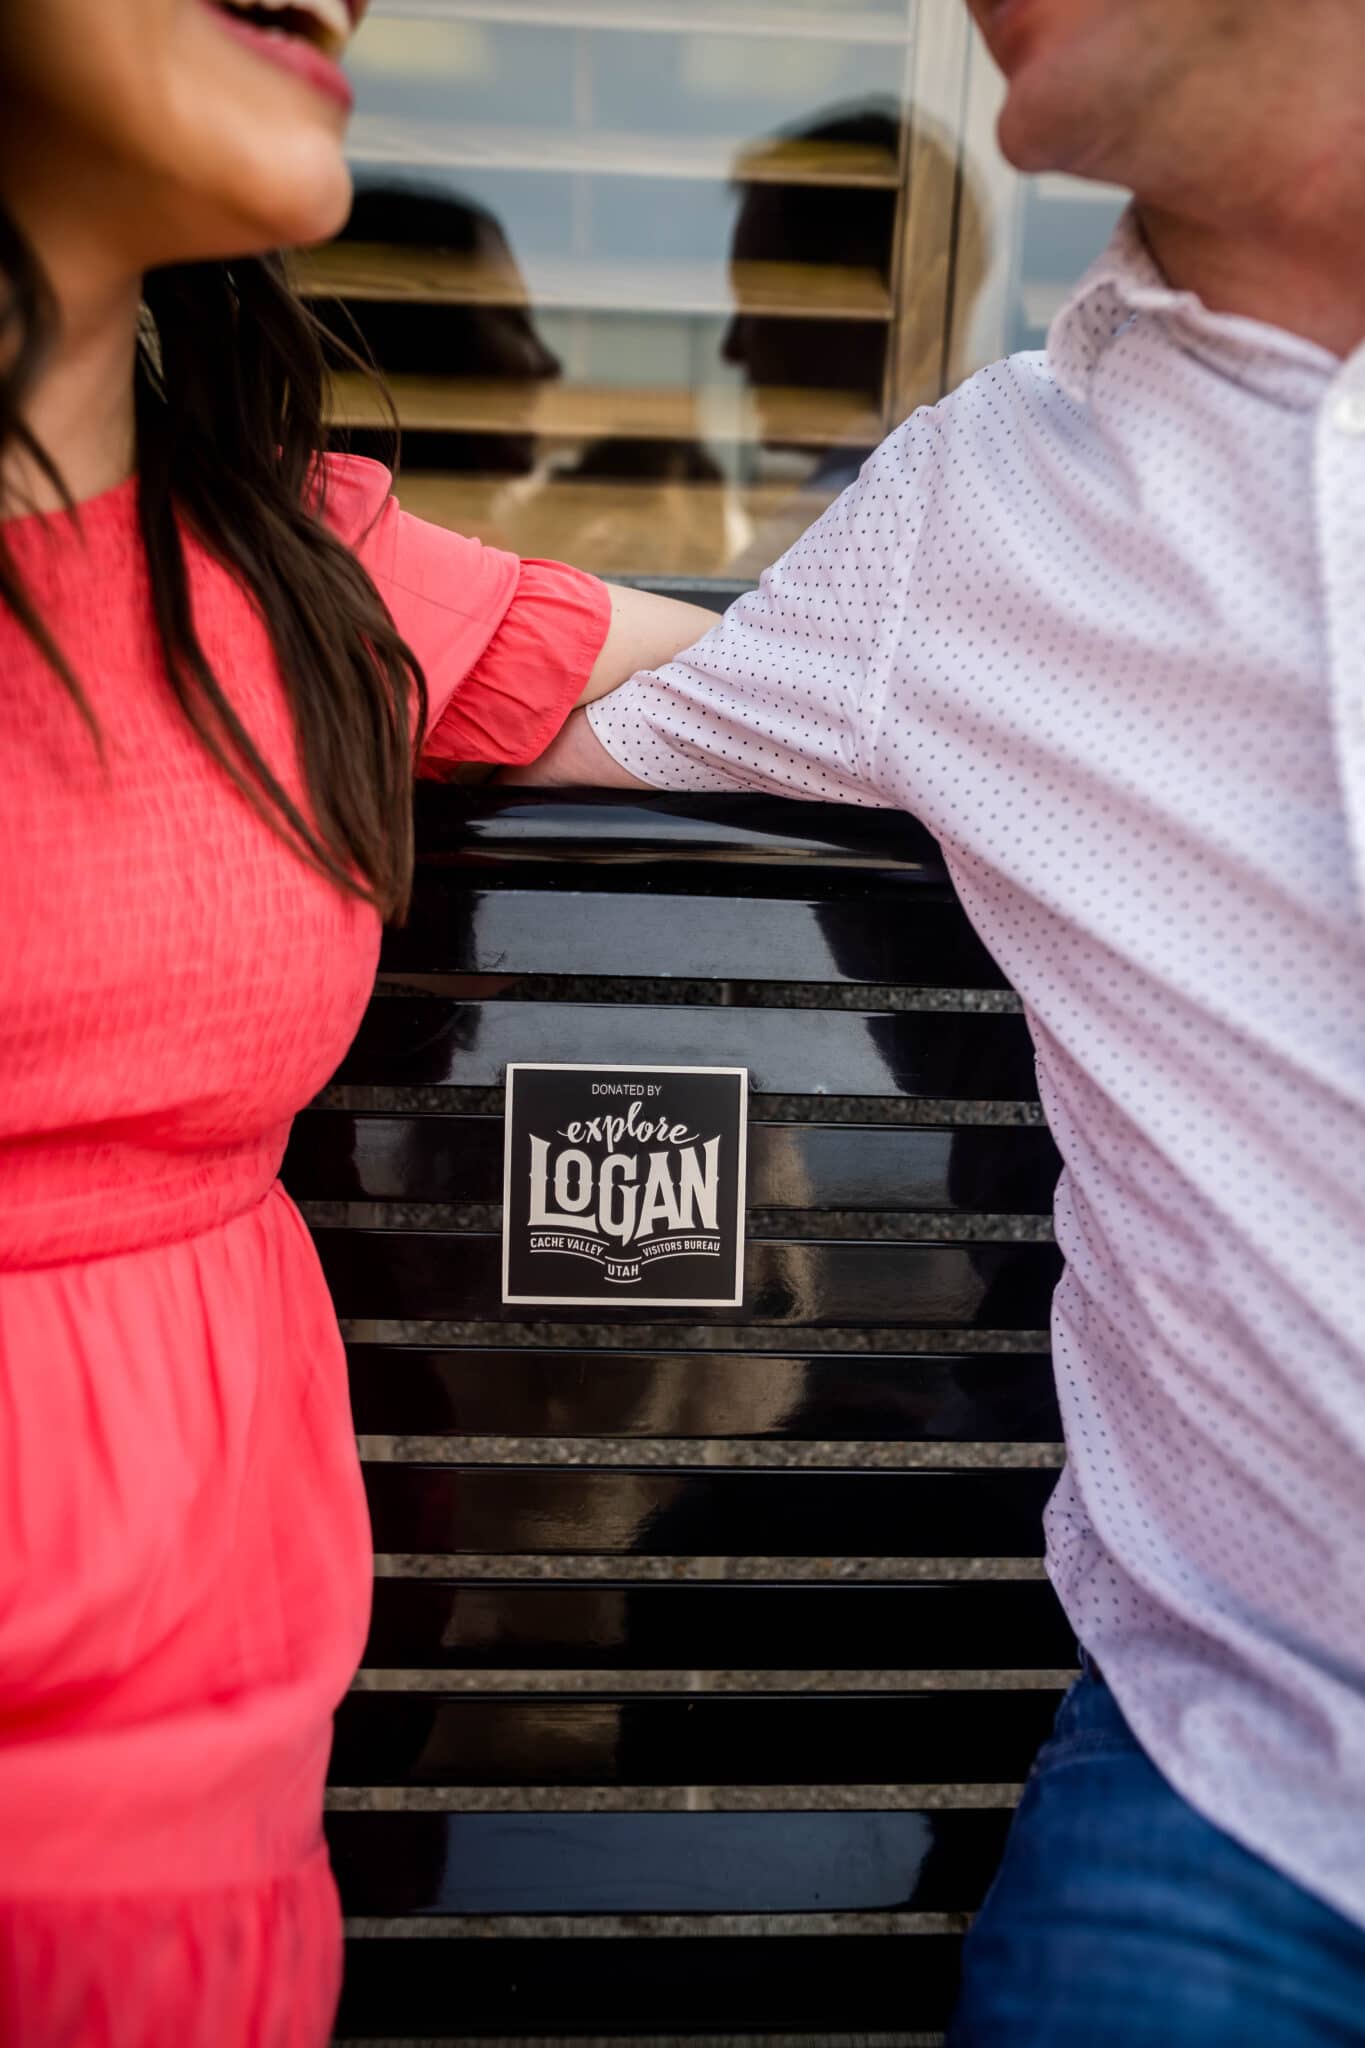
<point x="569" y="412"/>
<point x="850" y="24"/>
<point x="437" y="145"/>
<point x="621" y="529"/>
<point x="789" y="291"/>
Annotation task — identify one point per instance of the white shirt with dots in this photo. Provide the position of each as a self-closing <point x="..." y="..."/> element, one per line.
<point x="1099" y="620"/>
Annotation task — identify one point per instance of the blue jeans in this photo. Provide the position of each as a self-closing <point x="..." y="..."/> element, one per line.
<point x="1121" y="1919"/>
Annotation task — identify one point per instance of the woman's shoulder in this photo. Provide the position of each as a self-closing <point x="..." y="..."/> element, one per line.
<point x="350" y="495"/>
<point x="409" y="558"/>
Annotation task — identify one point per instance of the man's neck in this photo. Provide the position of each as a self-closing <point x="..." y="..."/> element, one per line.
<point x="1297" y="278"/>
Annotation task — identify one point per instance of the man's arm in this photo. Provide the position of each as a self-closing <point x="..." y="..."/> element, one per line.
<point x="786" y="693"/>
<point x="576" y="757"/>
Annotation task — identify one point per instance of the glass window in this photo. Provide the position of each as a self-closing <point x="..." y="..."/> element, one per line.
<point x="649" y="278"/>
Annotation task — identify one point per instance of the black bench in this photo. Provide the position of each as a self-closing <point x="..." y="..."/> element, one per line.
<point x="596" y="1542"/>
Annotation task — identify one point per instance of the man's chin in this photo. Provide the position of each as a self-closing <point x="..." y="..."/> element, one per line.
<point x="1022" y="144"/>
<point x="1035" y="134"/>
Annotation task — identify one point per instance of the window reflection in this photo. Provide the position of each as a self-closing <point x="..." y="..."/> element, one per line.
<point x="648" y="281"/>
<point x="437" y="355"/>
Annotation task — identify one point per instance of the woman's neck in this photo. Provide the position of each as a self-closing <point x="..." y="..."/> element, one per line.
<point x="80" y="409"/>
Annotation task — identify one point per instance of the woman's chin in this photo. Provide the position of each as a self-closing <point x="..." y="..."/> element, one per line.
<point x="309" y="205"/>
<point x="319" y="217"/>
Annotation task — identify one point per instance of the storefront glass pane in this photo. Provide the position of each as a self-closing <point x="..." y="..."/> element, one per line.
<point x="649" y="278"/>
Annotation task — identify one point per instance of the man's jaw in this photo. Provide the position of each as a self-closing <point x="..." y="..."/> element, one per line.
<point x="1004" y="25"/>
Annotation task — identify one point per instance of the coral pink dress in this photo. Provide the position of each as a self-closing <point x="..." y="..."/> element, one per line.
<point x="184" y="1553"/>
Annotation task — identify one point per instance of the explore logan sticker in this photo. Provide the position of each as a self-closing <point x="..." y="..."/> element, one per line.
<point x="624" y="1185"/>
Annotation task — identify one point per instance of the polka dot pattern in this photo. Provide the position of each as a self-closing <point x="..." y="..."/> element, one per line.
<point x="1099" y="620"/>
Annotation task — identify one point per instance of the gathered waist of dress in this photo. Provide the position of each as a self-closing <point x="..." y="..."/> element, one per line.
<point x="66" y="1199"/>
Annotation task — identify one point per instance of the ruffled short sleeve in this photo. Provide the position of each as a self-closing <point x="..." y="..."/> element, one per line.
<point x="506" y="646"/>
<point x="530" y="675"/>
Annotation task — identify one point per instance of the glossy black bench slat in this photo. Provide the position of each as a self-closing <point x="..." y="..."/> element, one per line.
<point x="784" y="1985"/>
<point x="443" y="1042"/>
<point x="647" y="1512"/>
<point x="641" y="882"/>
<point x="859" y="1397"/>
<point x="816" y="1284"/>
<point x="841" y="895"/>
<point x="478" y="1625"/>
<point x="513" y="830"/>
<point x="337" y="1154"/>
<point x="498" y="1863"/>
<point x="425" y="1738"/>
<point x="506" y="931"/>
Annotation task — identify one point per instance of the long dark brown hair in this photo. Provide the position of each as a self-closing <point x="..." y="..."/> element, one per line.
<point x="231" y="387"/>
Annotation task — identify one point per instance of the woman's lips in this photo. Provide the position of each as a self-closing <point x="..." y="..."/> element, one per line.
<point x="289" y="53"/>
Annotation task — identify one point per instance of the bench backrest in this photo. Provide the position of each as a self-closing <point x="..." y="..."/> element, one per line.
<point x="726" y="1628"/>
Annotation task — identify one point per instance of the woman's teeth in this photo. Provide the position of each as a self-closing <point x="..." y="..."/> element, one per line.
<point x="324" y="23"/>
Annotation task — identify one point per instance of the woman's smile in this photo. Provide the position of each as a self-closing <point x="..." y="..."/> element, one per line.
<point x="305" y="37"/>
